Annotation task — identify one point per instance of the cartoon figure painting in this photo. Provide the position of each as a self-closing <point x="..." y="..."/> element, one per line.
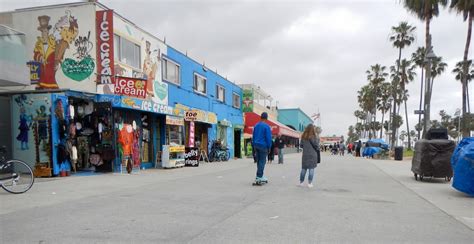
<point x="149" y="69"/>
<point x="24" y="127"/>
<point x="50" y="48"/>
<point x="44" y="53"/>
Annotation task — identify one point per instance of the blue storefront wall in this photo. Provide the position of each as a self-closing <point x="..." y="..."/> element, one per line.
<point x="184" y="94"/>
<point x="294" y="117"/>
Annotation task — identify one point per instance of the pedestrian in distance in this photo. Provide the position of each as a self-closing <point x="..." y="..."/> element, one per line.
<point x="262" y="142"/>
<point x="280" y="144"/>
<point x="311" y="154"/>
<point x="358" y="148"/>
<point x="271" y="153"/>
<point x="342" y="148"/>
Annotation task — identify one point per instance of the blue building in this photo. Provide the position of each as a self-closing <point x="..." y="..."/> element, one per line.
<point x="294" y="118"/>
<point x="212" y="102"/>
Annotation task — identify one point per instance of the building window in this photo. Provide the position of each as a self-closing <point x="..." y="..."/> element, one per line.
<point x="128" y="52"/>
<point x="199" y="84"/>
<point x="235" y="100"/>
<point x="171" y="71"/>
<point x="220" y="93"/>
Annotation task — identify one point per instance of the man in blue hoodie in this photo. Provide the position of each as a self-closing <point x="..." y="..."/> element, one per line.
<point x="262" y="142"/>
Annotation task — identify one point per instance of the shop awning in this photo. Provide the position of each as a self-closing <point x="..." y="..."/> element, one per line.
<point x="251" y="119"/>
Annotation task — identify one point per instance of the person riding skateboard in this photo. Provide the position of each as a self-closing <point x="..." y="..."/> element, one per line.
<point x="262" y="142"/>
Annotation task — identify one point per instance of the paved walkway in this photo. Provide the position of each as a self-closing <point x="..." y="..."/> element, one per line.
<point x="354" y="200"/>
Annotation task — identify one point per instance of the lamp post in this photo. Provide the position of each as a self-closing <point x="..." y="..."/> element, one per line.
<point x="429" y="57"/>
<point x="389" y="100"/>
<point x="458" y="113"/>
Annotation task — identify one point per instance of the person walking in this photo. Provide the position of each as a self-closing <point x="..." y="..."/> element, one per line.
<point x="358" y="148"/>
<point x="280" y="144"/>
<point x="311" y="154"/>
<point x="262" y="142"/>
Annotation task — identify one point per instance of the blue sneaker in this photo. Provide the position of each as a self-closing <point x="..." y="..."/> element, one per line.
<point x="262" y="179"/>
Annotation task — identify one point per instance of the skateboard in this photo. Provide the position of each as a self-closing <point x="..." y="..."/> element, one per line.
<point x="259" y="183"/>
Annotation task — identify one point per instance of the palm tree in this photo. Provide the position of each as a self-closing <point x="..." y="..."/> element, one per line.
<point x="376" y="76"/>
<point x="408" y="75"/>
<point x="466" y="7"/>
<point x="425" y="10"/>
<point x="459" y="75"/>
<point x="418" y="58"/>
<point x="402" y="36"/>
<point x="437" y="68"/>
<point x="366" y="99"/>
<point x="384" y="105"/>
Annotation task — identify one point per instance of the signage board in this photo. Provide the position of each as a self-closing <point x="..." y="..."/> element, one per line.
<point x="191" y="156"/>
<point x="131" y="87"/>
<point x="171" y="120"/>
<point x="419" y="112"/>
<point x="105" y="46"/>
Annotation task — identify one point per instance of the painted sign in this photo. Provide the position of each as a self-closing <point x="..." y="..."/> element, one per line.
<point x="171" y="120"/>
<point x="191" y="156"/>
<point x="190" y="115"/>
<point x="130" y="87"/>
<point x="105" y="46"/>
<point x="35" y="71"/>
<point x="197" y="115"/>
<point x="247" y="101"/>
<point x="191" y="134"/>
<point x="139" y="104"/>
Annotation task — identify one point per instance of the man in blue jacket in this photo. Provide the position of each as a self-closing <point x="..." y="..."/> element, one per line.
<point x="262" y="142"/>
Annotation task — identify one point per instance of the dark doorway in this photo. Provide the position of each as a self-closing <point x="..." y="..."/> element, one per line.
<point x="237" y="147"/>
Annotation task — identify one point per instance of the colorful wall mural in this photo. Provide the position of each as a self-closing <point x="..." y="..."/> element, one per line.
<point x="61" y="43"/>
<point x="151" y="51"/>
<point x="30" y="127"/>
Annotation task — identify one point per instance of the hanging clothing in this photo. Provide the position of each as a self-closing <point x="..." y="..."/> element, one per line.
<point x="136" y="149"/>
<point x="126" y="139"/>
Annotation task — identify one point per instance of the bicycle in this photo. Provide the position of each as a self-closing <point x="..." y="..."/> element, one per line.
<point x="15" y="175"/>
<point x="219" y="152"/>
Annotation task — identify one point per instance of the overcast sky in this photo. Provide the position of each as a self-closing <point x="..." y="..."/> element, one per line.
<point x="307" y="54"/>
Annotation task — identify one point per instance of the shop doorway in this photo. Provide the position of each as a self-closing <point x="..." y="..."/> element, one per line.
<point x="237" y="144"/>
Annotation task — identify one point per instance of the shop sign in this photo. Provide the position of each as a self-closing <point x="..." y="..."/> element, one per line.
<point x="225" y="123"/>
<point x="35" y="71"/>
<point x="247" y="101"/>
<point x="191" y="134"/>
<point x="131" y="87"/>
<point x="191" y="115"/>
<point x="105" y="46"/>
<point x="170" y="120"/>
<point x="191" y="156"/>
<point x="179" y="148"/>
<point x="212" y="118"/>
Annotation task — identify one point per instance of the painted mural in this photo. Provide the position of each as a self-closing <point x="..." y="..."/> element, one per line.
<point x="150" y="64"/>
<point x="30" y="122"/>
<point x="247" y="101"/>
<point x="61" y="45"/>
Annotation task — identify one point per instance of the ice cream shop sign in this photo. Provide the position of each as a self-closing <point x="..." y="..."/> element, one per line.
<point x="131" y="87"/>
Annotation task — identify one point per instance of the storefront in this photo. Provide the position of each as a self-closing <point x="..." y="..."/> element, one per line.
<point x="149" y="126"/>
<point x="197" y="125"/>
<point x="62" y="133"/>
<point x="290" y="136"/>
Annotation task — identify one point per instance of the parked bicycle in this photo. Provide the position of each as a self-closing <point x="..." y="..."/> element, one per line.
<point x="219" y="152"/>
<point x="16" y="176"/>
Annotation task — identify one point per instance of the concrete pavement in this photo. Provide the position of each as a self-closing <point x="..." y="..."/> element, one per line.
<point x="354" y="200"/>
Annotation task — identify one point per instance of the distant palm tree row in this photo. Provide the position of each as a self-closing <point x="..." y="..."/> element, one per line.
<point x="386" y="88"/>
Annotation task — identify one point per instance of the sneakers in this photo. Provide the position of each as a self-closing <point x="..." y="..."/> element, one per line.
<point x="310" y="185"/>
<point x="301" y="184"/>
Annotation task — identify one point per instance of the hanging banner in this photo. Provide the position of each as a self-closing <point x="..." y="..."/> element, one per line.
<point x="191" y="134"/>
<point x="105" y="46"/>
<point x="131" y="87"/>
<point x="247" y="101"/>
<point x="35" y="71"/>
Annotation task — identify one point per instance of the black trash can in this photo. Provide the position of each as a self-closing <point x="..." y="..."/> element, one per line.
<point x="399" y="153"/>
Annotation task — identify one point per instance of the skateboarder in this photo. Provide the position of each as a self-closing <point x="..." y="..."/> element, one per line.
<point x="262" y="142"/>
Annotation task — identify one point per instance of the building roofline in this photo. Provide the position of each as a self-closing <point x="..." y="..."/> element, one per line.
<point x="204" y="66"/>
<point x="298" y="108"/>
<point x="50" y="6"/>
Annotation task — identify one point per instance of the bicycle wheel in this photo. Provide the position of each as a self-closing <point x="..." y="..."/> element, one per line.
<point x="22" y="178"/>
<point x="227" y="155"/>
